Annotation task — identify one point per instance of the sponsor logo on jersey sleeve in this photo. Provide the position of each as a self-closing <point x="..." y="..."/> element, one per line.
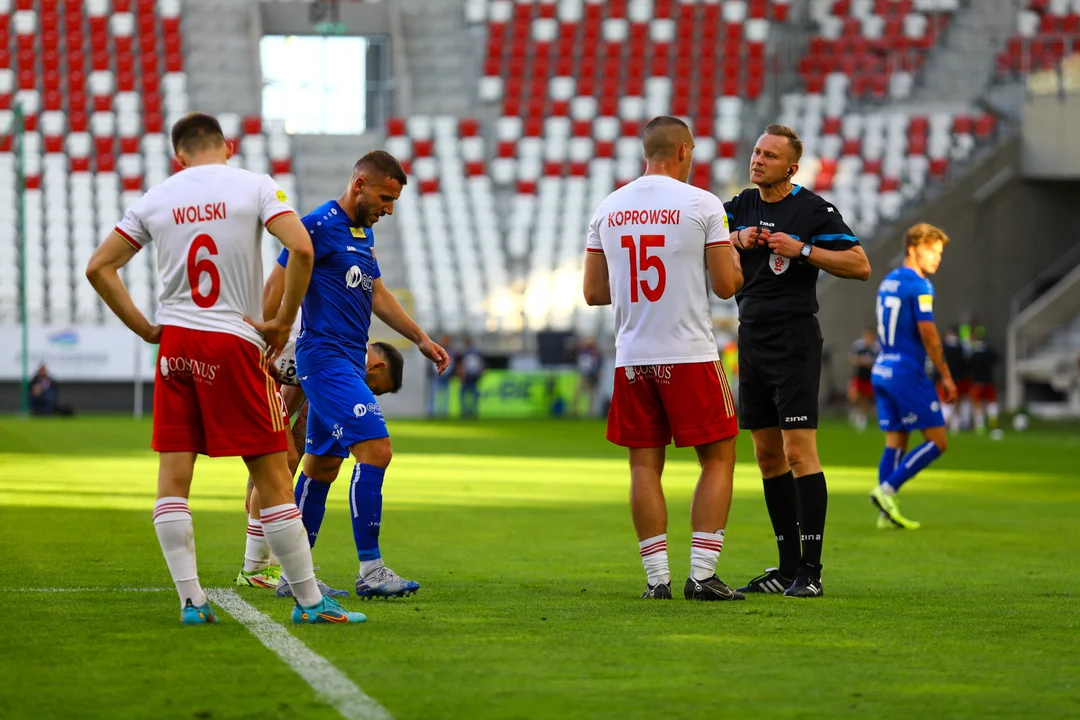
<point x="926" y="303"/>
<point x="281" y="196"/>
<point x="358" y="232"/>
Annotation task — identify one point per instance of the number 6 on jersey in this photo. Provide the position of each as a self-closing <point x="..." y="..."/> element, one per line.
<point x="197" y="268"/>
<point x="652" y="293"/>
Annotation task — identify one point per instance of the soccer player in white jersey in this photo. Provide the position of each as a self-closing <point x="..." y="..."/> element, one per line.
<point x="654" y="248"/>
<point x="212" y="393"/>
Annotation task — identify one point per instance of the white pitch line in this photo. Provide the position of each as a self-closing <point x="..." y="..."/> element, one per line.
<point x="86" y="589"/>
<point x="329" y="683"/>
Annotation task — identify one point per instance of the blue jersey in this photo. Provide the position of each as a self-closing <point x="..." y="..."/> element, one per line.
<point x="904" y="299"/>
<point x="336" y="312"/>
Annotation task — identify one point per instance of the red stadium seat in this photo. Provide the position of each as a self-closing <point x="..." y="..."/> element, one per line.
<point x="252" y="125"/>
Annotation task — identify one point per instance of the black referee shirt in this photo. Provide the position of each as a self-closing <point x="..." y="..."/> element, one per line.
<point x="775" y="287"/>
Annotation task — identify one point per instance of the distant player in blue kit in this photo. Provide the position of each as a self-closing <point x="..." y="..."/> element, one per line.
<point x="343" y="415"/>
<point x="906" y="397"/>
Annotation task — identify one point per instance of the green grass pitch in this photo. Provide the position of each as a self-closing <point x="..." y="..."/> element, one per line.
<point x="520" y="534"/>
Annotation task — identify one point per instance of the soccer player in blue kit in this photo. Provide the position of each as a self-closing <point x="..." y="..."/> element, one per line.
<point x="906" y="397"/>
<point x="343" y="415"/>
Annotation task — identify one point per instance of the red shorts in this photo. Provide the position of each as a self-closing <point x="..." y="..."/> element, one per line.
<point x="963" y="390"/>
<point x="860" y="387"/>
<point x="653" y="403"/>
<point x="213" y="395"/>
<point x="983" y="392"/>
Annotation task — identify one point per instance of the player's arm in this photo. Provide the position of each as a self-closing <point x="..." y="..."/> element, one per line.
<point x="273" y="291"/>
<point x="931" y="340"/>
<point x="103" y="272"/>
<point x="596" y="286"/>
<point x="725" y="271"/>
<point x="851" y="264"/>
<point x="387" y="308"/>
<point x="291" y="233"/>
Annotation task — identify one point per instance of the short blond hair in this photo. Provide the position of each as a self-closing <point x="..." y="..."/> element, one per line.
<point x="792" y="137"/>
<point x="924" y="234"/>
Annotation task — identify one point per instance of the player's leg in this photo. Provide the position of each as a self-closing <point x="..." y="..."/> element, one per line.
<point x="244" y="415"/>
<point x="176" y="534"/>
<point x="992" y="409"/>
<point x="649" y="512"/>
<point x="796" y="388"/>
<point x="701" y="411"/>
<point x="178" y="436"/>
<point x="978" y="393"/>
<point x="866" y="401"/>
<point x="896" y="439"/>
<point x="638" y="422"/>
<point x="917" y="401"/>
<point x="758" y="414"/>
<point x="284" y="531"/>
<point x="261" y="569"/>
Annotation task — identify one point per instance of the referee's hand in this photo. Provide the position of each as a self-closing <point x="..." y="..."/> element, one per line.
<point x="784" y="245"/>
<point x="750" y="237"/>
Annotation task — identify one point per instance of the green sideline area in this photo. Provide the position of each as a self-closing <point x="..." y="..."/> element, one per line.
<point x="520" y="534"/>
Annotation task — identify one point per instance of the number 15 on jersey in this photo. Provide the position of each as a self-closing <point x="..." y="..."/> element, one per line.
<point x="647" y="262"/>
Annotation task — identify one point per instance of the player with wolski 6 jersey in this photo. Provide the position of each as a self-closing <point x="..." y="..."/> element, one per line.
<point x="213" y="393"/>
<point x="651" y="246"/>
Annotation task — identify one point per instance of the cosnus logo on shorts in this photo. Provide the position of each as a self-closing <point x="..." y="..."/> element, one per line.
<point x="163" y="363"/>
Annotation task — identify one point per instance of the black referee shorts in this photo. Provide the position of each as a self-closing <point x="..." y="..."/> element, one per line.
<point x="779" y="374"/>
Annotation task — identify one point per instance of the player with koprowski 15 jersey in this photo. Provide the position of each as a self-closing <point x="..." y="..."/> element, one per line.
<point x="906" y="397"/>
<point x="212" y="392"/>
<point x="654" y="248"/>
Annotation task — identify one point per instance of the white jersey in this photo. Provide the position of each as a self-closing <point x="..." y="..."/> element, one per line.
<point x="207" y="224"/>
<point x="653" y="233"/>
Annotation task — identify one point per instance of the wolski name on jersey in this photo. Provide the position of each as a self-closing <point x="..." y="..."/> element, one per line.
<point x="199" y="213"/>
<point x="643" y="217"/>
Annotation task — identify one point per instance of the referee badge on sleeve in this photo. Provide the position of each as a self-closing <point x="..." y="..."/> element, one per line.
<point x="778" y="264"/>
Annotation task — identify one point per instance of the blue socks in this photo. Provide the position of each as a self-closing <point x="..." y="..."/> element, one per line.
<point x="311" y="499"/>
<point x="890" y="460"/>
<point x="365" y="508"/>
<point x="914" y="462"/>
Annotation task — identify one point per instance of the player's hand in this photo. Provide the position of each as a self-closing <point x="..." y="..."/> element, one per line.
<point x="948" y="389"/>
<point x="434" y="352"/>
<point x="750" y="238"/>
<point x="276" y="334"/>
<point x="153" y="335"/>
<point x="784" y="245"/>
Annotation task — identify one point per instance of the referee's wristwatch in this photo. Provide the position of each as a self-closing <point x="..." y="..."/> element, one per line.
<point x="805" y="252"/>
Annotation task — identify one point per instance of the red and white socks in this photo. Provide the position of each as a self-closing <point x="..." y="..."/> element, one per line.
<point x="654" y="557"/>
<point x="176" y="535"/>
<point x="256" y="551"/>
<point x="705" y="553"/>
<point x="285" y="534"/>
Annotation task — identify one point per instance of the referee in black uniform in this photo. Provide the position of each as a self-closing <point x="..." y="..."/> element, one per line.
<point x="785" y="234"/>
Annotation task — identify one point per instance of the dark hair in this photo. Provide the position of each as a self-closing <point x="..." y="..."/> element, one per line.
<point x="658" y="139"/>
<point x="381" y="162"/>
<point x="394" y="363"/>
<point x="196" y="131"/>
<point x="792" y="137"/>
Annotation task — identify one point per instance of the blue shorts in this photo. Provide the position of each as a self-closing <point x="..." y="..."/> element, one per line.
<point x="906" y="403"/>
<point x="342" y="411"/>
